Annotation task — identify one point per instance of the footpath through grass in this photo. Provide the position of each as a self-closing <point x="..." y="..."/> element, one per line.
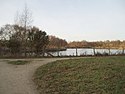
<point x="104" y="75"/>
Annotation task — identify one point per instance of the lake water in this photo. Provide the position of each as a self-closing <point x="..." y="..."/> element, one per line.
<point x="85" y="51"/>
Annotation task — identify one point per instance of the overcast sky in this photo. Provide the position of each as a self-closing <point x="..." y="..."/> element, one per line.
<point x="89" y="20"/>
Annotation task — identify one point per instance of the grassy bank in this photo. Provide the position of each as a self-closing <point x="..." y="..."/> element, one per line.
<point x="104" y="75"/>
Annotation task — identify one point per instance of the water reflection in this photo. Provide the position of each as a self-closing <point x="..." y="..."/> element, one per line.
<point x="85" y="51"/>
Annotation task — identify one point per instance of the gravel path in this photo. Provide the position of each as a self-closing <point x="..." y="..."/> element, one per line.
<point x="17" y="79"/>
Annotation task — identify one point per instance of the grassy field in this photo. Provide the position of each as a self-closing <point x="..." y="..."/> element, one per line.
<point x="102" y="75"/>
<point x="18" y="62"/>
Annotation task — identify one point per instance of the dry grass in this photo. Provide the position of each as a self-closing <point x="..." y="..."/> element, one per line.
<point x="105" y="75"/>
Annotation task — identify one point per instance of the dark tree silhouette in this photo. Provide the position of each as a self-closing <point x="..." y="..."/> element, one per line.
<point x="40" y="41"/>
<point x="15" y="45"/>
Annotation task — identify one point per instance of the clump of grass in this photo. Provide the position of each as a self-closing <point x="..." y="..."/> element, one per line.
<point x="18" y="62"/>
<point x="104" y="75"/>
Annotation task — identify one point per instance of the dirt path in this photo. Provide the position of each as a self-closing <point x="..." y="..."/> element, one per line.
<point x="17" y="79"/>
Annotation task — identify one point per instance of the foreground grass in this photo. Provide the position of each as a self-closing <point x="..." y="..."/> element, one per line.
<point x="18" y="62"/>
<point x="104" y="75"/>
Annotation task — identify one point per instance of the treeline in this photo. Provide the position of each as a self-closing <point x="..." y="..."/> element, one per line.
<point x="16" y="40"/>
<point x="56" y="43"/>
<point x="116" y="44"/>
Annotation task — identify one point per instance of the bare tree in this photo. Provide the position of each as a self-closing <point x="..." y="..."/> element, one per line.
<point x="24" y="20"/>
<point x="9" y="38"/>
<point x="26" y="17"/>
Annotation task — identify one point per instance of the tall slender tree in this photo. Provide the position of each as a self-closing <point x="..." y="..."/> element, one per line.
<point x="24" y="20"/>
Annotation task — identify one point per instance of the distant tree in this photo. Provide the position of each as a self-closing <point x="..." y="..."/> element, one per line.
<point x="15" y="45"/>
<point x="10" y="38"/>
<point x="6" y="32"/>
<point x="40" y="41"/>
<point x="56" y="43"/>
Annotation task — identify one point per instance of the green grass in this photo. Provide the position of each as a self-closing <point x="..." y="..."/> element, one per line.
<point x="104" y="75"/>
<point x="18" y="62"/>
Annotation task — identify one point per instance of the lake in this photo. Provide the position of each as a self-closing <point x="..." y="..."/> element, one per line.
<point x="85" y="51"/>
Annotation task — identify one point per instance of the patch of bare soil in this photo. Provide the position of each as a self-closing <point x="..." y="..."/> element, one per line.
<point x="17" y="79"/>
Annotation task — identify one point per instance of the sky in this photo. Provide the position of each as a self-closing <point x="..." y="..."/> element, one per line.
<point x="73" y="20"/>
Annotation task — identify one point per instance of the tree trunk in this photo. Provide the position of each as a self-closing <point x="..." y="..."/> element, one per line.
<point x="43" y="51"/>
<point x="123" y="51"/>
<point x="58" y="52"/>
<point x="109" y="51"/>
<point x="76" y="52"/>
<point x="94" y="51"/>
<point x="25" y="43"/>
